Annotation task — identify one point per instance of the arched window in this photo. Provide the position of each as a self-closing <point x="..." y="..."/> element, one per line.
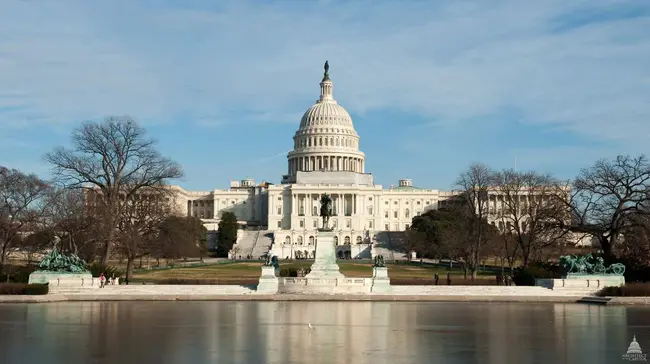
<point x="287" y="240"/>
<point x="359" y="240"/>
<point x="346" y="240"/>
<point x="311" y="240"/>
<point x="300" y="240"/>
<point x="336" y="240"/>
<point x="407" y="213"/>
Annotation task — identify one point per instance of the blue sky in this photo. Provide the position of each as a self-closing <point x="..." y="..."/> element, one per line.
<point x="432" y="86"/>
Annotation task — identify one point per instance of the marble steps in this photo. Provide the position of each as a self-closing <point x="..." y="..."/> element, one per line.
<point x="263" y="244"/>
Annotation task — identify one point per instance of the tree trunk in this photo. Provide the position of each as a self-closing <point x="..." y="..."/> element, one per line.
<point x="474" y="273"/>
<point x="3" y="256"/>
<point x="129" y="267"/>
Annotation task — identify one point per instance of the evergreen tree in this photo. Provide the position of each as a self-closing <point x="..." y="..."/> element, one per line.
<point x="227" y="236"/>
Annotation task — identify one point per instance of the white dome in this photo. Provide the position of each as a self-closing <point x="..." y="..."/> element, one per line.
<point x="327" y="113"/>
<point x="326" y="139"/>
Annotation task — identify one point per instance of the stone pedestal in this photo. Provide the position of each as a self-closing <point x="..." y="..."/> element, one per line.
<point x="380" y="280"/>
<point x="63" y="279"/>
<point x="269" y="281"/>
<point x="325" y="261"/>
<point x="586" y="283"/>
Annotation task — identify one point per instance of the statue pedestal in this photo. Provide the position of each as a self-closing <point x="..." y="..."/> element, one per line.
<point x="68" y="280"/>
<point x="325" y="260"/>
<point x="269" y="281"/>
<point x="380" y="280"/>
<point x="585" y="283"/>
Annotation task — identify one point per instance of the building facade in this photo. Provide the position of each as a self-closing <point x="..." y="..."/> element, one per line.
<point x="326" y="159"/>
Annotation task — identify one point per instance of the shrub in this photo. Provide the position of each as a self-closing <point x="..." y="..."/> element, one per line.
<point x="97" y="268"/>
<point x="526" y="276"/>
<point x="24" y="289"/>
<point x="627" y="290"/>
<point x="16" y="273"/>
<point x="292" y="272"/>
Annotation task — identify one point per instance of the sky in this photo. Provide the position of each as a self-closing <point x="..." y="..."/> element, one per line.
<point x="432" y="86"/>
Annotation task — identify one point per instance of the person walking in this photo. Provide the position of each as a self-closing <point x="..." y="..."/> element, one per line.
<point x="436" y="278"/>
<point x="102" y="280"/>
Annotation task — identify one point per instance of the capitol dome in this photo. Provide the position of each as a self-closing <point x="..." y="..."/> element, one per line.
<point x="326" y="139"/>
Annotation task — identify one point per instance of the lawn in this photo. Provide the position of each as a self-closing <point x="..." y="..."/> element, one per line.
<point x="248" y="272"/>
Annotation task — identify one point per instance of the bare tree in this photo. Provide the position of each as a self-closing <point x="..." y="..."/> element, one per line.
<point x="21" y="207"/>
<point x="140" y="220"/>
<point x="475" y="184"/>
<point x="531" y="205"/>
<point x="606" y="195"/>
<point x="115" y="160"/>
<point x="74" y="224"/>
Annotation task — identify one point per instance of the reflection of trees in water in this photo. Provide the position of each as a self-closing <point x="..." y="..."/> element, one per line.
<point x="345" y="332"/>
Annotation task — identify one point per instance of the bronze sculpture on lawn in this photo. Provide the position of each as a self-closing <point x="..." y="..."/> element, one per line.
<point x="589" y="264"/>
<point x="379" y="261"/>
<point x="56" y="261"/>
<point x="272" y="261"/>
<point x="326" y="210"/>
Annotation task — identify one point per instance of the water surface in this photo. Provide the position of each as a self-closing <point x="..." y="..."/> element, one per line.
<point x="345" y="332"/>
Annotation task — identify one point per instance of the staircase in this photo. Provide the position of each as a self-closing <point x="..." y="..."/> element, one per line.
<point x="257" y="237"/>
<point x="262" y="243"/>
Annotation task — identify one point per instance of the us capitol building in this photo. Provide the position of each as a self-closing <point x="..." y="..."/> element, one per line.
<point x="367" y="218"/>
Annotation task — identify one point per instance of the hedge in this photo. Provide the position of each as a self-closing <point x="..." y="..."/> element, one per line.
<point x="23" y="289"/>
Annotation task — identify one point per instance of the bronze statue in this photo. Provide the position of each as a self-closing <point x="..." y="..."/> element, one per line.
<point x="326" y="76"/>
<point x="326" y="210"/>
<point x="379" y="261"/>
<point x="589" y="264"/>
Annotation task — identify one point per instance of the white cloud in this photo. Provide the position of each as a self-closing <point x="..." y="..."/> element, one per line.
<point x="447" y="61"/>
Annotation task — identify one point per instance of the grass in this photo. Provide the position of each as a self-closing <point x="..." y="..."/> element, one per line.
<point x="248" y="272"/>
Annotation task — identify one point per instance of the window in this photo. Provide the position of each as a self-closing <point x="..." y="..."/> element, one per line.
<point x="315" y="212"/>
<point x="279" y="198"/>
<point x="347" y="240"/>
<point x="299" y="240"/>
<point x="287" y="240"/>
<point x="311" y="240"/>
<point x="369" y="210"/>
<point x="406" y="202"/>
<point x="386" y="214"/>
<point x="386" y="203"/>
<point x="359" y="240"/>
<point x="395" y="203"/>
<point x="347" y="223"/>
<point x="279" y="224"/>
<point x="395" y="214"/>
<point x="315" y="223"/>
<point x="386" y="227"/>
<point x="279" y="210"/>
<point x="369" y="224"/>
<point x="334" y="223"/>
<point x="407" y="213"/>
<point x="428" y="202"/>
<point x="406" y="227"/>
<point x="302" y="223"/>
<point x="369" y="198"/>
<point x="336" y="240"/>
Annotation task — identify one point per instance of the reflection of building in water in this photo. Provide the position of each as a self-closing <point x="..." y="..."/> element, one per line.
<point x="580" y="328"/>
<point x="343" y="331"/>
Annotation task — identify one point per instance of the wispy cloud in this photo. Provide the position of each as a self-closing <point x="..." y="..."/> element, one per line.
<point x="581" y="65"/>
